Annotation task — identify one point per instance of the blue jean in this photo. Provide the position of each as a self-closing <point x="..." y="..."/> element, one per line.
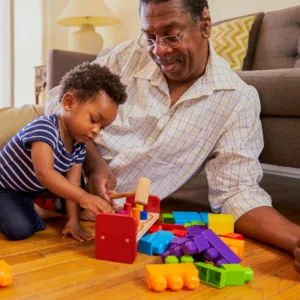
<point x="18" y="218"/>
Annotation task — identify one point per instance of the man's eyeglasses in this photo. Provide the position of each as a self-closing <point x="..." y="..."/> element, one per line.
<point x="172" y="41"/>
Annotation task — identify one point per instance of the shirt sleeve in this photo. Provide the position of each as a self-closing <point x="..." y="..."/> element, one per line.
<point x="234" y="172"/>
<point x="39" y="130"/>
<point x="81" y="155"/>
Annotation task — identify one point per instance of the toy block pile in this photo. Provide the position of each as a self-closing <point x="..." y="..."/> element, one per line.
<point x="207" y="241"/>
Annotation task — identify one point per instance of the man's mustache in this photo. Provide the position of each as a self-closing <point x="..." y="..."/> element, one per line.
<point x="169" y="60"/>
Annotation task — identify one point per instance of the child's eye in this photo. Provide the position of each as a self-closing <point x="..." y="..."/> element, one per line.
<point x="93" y="121"/>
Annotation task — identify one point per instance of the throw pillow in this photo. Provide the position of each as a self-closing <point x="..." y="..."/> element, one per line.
<point x="230" y="40"/>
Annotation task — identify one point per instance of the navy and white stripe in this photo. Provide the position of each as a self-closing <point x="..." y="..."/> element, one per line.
<point x="16" y="168"/>
<point x="216" y="120"/>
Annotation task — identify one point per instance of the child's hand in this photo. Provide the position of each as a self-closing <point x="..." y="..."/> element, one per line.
<point x="297" y="257"/>
<point x="95" y="204"/>
<point x="74" y="229"/>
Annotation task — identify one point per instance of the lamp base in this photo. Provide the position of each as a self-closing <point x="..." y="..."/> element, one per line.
<point x="86" y="40"/>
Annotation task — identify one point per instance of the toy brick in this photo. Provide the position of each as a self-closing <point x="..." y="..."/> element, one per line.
<point x="193" y="216"/>
<point x="235" y="236"/>
<point x="211" y="275"/>
<point x="180" y="217"/>
<point x="177" y="241"/>
<point x="195" y="245"/>
<point x="201" y="223"/>
<point x="168" y="218"/>
<point x="187" y="225"/>
<point x="144" y="215"/>
<point x="204" y="216"/>
<point x="173" y="276"/>
<point x="195" y="230"/>
<point x="186" y="259"/>
<point x="179" y="227"/>
<point x="171" y="259"/>
<point x="224" y="251"/>
<point x="179" y="233"/>
<point x="155" y="228"/>
<point x="221" y="223"/>
<point x="237" y="275"/>
<point x="237" y="246"/>
<point x="6" y="276"/>
<point x="168" y="227"/>
<point x="155" y="243"/>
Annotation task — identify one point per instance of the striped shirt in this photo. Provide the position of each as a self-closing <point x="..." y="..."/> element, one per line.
<point x="215" y="124"/>
<point x="16" y="167"/>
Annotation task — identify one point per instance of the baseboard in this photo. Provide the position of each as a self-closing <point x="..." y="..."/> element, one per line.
<point x="281" y="171"/>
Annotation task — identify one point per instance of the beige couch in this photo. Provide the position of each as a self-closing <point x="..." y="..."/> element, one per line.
<point x="272" y="65"/>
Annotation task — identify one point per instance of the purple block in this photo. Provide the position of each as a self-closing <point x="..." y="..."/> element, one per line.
<point x="211" y="254"/>
<point x="224" y="250"/>
<point x="176" y="250"/>
<point x="221" y="262"/>
<point x="201" y="243"/>
<point x="178" y="241"/>
<point x="165" y="254"/>
<point x="196" y="230"/>
<point x="189" y="248"/>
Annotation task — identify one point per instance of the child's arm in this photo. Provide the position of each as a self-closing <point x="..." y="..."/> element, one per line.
<point x="43" y="163"/>
<point x="73" y="226"/>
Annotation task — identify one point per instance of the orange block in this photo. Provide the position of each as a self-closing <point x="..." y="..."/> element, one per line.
<point x="173" y="276"/>
<point x="137" y="214"/>
<point x="6" y="276"/>
<point x="237" y="246"/>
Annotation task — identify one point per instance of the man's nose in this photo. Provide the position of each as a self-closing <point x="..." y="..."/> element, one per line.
<point x="160" y="50"/>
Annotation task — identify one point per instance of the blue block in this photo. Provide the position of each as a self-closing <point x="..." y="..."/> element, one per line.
<point x="144" y="215"/>
<point x="180" y="217"/>
<point x="204" y="216"/>
<point x="193" y="216"/>
<point x="155" y="243"/>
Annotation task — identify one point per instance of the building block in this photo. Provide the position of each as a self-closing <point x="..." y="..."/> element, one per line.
<point x="195" y="230"/>
<point x="171" y="259"/>
<point x="121" y="212"/>
<point x="179" y="233"/>
<point x="237" y="275"/>
<point x="201" y="223"/>
<point x="236" y="236"/>
<point x="173" y="276"/>
<point x="193" y="216"/>
<point x="46" y="203"/>
<point x="195" y="245"/>
<point x="168" y="218"/>
<point x="154" y="228"/>
<point x="180" y="217"/>
<point x="127" y="208"/>
<point x="221" y="223"/>
<point x="139" y="206"/>
<point x="155" y="243"/>
<point x="178" y="241"/>
<point x="168" y="227"/>
<point x="204" y="216"/>
<point x="6" y="276"/>
<point x="211" y="275"/>
<point x="185" y="259"/>
<point x="237" y="246"/>
<point x="224" y="252"/>
<point x="115" y="237"/>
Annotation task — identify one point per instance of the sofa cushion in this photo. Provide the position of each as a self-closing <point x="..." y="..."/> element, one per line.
<point x="14" y="119"/>
<point x="278" y="40"/>
<point x="297" y="63"/>
<point x="230" y="40"/>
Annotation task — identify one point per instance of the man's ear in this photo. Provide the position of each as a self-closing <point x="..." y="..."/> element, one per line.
<point x="68" y="102"/>
<point x="205" y="22"/>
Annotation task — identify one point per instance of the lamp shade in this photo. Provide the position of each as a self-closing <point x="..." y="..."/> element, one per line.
<point x="93" y="12"/>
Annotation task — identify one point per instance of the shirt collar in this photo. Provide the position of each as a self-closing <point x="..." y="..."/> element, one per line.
<point x="218" y="75"/>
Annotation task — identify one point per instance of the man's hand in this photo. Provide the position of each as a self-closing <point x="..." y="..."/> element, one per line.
<point x="74" y="229"/>
<point x="95" y="204"/>
<point x="297" y="257"/>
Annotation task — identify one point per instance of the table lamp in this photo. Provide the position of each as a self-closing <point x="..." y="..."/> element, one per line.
<point x="87" y="14"/>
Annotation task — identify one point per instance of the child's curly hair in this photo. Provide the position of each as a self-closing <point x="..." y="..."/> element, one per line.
<point x="87" y="80"/>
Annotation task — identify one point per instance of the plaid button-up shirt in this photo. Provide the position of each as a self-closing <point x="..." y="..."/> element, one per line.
<point x="215" y="123"/>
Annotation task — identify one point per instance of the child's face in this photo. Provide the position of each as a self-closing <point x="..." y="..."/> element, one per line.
<point x="85" y="120"/>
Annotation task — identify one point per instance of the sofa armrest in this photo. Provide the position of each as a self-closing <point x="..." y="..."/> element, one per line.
<point x="279" y="91"/>
<point x="14" y="119"/>
<point x="60" y="62"/>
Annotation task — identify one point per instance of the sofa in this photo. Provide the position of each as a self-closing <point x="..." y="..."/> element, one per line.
<point x="271" y="65"/>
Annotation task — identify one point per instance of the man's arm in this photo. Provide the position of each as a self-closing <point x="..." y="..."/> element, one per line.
<point x="234" y="174"/>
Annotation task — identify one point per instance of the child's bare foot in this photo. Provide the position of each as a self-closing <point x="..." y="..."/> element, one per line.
<point x="87" y="215"/>
<point x="47" y="214"/>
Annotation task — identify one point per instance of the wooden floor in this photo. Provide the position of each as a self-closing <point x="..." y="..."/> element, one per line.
<point x="48" y="267"/>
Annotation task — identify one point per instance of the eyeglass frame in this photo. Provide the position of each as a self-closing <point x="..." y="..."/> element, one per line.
<point x="161" y="40"/>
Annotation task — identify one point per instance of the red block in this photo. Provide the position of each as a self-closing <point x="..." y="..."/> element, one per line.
<point x="179" y="233"/>
<point x="168" y="227"/>
<point x="154" y="228"/>
<point x="152" y="206"/>
<point x="235" y="236"/>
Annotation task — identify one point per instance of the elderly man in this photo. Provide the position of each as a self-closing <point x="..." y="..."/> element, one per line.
<point x="186" y="110"/>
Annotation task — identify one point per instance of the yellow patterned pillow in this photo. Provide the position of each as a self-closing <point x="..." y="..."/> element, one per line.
<point x="230" y="40"/>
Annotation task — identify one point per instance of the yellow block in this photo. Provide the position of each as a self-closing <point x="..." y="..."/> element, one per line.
<point x="221" y="223"/>
<point x="6" y="276"/>
<point x="140" y="207"/>
<point x="173" y="276"/>
<point x="237" y="246"/>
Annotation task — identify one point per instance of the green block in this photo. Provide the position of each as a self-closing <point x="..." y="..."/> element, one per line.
<point x="237" y="275"/>
<point x="168" y="219"/>
<point x="211" y="275"/>
<point x="186" y="259"/>
<point x="187" y="225"/>
<point x="171" y="259"/>
<point x="198" y="223"/>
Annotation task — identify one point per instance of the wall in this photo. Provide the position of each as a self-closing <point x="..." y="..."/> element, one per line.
<point x="28" y="48"/>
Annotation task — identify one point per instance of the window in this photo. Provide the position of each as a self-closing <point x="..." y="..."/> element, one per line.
<point x="6" y="97"/>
